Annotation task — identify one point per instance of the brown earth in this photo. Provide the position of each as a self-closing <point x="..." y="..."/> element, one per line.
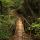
<point x="20" y="33"/>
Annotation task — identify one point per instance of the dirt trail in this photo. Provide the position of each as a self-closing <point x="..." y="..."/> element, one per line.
<point x="20" y="33"/>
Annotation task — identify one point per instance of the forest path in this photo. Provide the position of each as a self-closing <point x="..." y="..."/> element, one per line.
<point x="20" y="33"/>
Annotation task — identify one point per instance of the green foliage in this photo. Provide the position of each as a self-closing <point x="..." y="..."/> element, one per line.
<point x="36" y="27"/>
<point x="14" y="3"/>
<point x="7" y="2"/>
<point x="7" y="5"/>
<point x="6" y="23"/>
<point x="37" y="23"/>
